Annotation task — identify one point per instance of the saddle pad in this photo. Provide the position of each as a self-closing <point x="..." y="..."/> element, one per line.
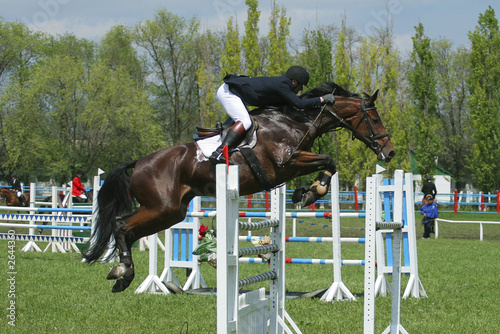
<point x="207" y="146"/>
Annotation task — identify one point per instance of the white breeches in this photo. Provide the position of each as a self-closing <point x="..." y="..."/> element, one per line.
<point x="233" y="106"/>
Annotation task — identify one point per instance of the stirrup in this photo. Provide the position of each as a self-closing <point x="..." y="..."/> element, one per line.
<point x="217" y="158"/>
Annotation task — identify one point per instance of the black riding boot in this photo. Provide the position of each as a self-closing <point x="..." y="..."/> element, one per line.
<point x="233" y="137"/>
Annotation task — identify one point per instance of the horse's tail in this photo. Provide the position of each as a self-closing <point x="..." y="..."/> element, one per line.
<point x="114" y="199"/>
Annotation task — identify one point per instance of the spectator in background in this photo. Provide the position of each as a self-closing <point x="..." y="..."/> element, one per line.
<point x="78" y="189"/>
<point x="430" y="212"/>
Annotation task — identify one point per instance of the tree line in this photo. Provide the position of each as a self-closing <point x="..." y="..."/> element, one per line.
<point x="69" y="103"/>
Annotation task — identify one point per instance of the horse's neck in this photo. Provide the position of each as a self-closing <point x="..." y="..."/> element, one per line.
<point x="296" y="125"/>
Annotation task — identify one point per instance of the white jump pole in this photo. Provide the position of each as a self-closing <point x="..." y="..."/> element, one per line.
<point x="247" y="313"/>
<point x="31" y="245"/>
<point x="338" y="290"/>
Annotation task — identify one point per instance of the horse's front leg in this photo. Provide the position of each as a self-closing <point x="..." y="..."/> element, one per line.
<point x="124" y="271"/>
<point x="311" y="162"/>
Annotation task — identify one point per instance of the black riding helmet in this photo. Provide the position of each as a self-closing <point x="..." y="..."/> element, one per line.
<point x="298" y="73"/>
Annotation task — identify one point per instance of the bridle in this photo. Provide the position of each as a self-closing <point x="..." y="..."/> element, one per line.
<point x="370" y="141"/>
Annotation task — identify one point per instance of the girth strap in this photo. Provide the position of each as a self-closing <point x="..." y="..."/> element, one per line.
<point x="256" y="167"/>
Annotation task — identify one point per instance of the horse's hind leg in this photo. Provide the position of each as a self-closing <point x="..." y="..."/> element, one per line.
<point x="125" y="268"/>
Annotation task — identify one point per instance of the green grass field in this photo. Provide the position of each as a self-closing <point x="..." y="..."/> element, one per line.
<point x="57" y="293"/>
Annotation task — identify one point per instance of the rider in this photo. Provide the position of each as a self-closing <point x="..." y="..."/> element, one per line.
<point x="78" y="189"/>
<point x="238" y="91"/>
<point x="16" y="188"/>
<point x="429" y="188"/>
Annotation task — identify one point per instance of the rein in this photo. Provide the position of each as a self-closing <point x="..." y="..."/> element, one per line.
<point x="313" y="124"/>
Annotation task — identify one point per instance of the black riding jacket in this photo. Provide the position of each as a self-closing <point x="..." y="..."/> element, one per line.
<point x="16" y="185"/>
<point x="429" y="188"/>
<point x="268" y="91"/>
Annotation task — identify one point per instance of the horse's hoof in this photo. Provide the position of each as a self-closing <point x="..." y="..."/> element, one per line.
<point x="297" y="195"/>
<point x="120" y="285"/>
<point x="309" y="198"/>
<point x="119" y="271"/>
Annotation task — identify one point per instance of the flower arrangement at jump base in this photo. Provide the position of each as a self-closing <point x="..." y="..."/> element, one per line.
<point x="207" y="249"/>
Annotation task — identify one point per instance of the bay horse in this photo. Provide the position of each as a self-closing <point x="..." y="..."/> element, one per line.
<point x="164" y="182"/>
<point x="12" y="200"/>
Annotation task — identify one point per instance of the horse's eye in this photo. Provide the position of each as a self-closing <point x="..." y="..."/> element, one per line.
<point x="375" y="121"/>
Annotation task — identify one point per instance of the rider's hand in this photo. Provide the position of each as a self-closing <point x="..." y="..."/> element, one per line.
<point x="328" y="99"/>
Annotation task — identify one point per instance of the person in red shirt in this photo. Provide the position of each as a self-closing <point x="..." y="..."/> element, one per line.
<point x="78" y="189"/>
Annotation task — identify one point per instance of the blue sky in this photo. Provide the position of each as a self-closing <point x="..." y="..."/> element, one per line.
<point x="92" y="18"/>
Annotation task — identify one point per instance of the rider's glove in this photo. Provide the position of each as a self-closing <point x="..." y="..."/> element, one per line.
<point x="328" y="99"/>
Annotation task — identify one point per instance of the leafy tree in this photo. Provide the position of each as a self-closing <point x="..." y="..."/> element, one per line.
<point x="250" y="42"/>
<point x="231" y="54"/>
<point x="71" y="114"/>
<point x="352" y="155"/>
<point x="452" y="73"/>
<point x="380" y="68"/>
<point x="118" y="122"/>
<point x="317" y="54"/>
<point x="170" y="43"/>
<point x="19" y="50"/>
<point x="484" y="87"/>
<point x="208" y="79"/>
<point x="426" y="123"/>
<point x="117" y="51"/>
<point x="80" y="49"/>
<point x="279" y="30"/>
<point x="43" y="117"/>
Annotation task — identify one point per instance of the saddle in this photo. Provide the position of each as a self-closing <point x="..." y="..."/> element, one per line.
<point x="221" y="129"/>
<point x="245" y="147"/>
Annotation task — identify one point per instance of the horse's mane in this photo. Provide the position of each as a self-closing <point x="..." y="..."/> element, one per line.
<point x="328" y="88"/>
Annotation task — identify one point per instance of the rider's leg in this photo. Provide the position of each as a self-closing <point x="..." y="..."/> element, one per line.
<point x="237" y="110"/>
<point x="21" y="197"/>
<point x="234" y="135"/>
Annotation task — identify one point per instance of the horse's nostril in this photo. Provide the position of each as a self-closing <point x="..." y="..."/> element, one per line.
<point x="390" y="155"/>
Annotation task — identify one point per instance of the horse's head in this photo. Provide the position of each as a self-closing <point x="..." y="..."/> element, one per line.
<point x="366" y="125"/>
<point x="360" y="116"/>
<point x="3" y="192"/>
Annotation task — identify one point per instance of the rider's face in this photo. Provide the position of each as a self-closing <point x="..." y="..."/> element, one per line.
<point x="297" y="88"/>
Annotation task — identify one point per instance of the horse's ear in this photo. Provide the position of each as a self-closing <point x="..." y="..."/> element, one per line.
<point x="374" y="97"/>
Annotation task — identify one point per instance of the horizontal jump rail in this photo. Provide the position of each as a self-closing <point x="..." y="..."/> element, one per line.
<point x="53" y="227"/>
<point x="44" y="218"/>
<point x="308" y="239"/>
<point x="246" y="214"/>
<point x="258" y="250"/>
<point x="22" y="208"/>
<point x="270" y="275"/>
<point x="252" y="226"/>
<point x="305" y="261"/>
<point x="43" y="238"/>
<point x="390" y="225"/>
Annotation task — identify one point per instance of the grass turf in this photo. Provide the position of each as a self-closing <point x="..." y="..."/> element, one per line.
<point x="58" y="293"/>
